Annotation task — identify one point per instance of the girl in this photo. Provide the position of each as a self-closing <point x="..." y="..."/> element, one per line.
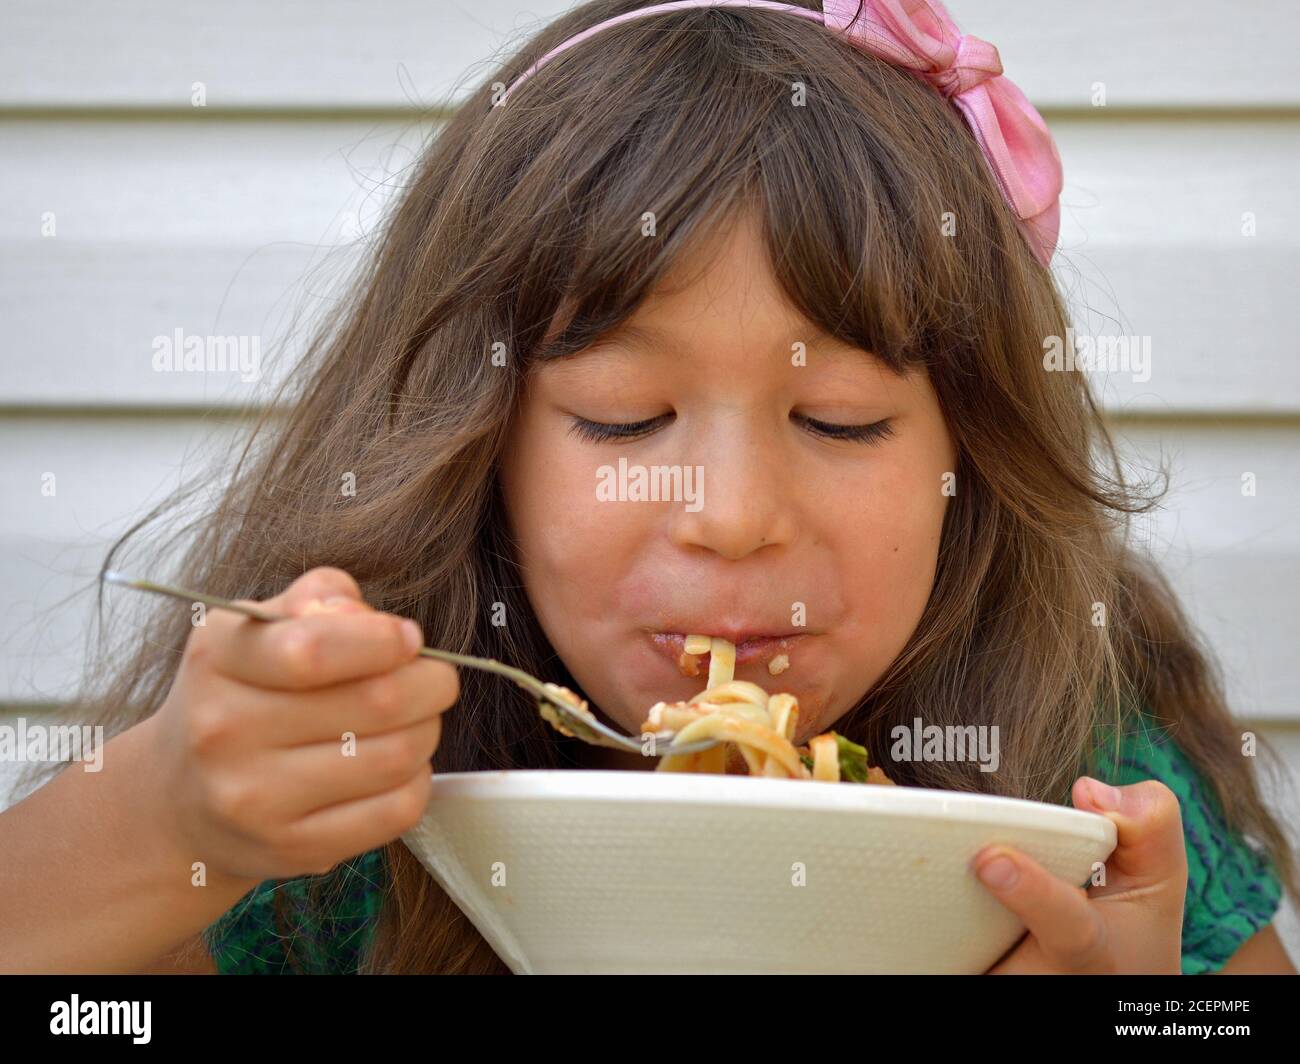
<point x="725" y="240"/>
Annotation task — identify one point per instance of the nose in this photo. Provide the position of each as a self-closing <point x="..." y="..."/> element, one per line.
<point x="748" y="500"/>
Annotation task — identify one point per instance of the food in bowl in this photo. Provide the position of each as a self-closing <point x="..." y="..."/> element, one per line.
<point x="741" y="715"/>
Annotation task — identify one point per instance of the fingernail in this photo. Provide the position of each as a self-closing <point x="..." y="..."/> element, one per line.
<point x="336" y="604"/>
<point x="1103" y="796"/>
<point x="412" y="634"/>
<point x="999" y="873"/>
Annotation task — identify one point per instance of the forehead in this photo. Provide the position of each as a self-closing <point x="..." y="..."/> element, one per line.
<point x="707" y="269"/>
<point x="720" y="288"/>
<point x="719" y="303"/>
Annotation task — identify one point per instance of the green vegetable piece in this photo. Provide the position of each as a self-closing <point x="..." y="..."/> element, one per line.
<point x="853" y="759"/>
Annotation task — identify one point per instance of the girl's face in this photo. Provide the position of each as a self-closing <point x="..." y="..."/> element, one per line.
<point x="789" y="528"/>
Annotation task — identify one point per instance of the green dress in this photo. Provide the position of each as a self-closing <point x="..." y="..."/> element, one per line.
<point x="1232" y="890"/>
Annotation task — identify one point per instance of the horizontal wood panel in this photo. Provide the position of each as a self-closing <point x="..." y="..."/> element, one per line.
<point x="107" y="472"/>
<point x="245" y="228"/>
<point x="333" y="54"/>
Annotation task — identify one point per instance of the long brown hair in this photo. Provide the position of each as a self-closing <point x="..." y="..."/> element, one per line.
<point x="516" y="211"/>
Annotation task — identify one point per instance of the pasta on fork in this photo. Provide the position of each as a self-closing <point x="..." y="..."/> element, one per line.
<point x="762" y="726"/>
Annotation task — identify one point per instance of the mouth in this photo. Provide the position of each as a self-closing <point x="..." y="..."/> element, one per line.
<point x="751" y="648"/>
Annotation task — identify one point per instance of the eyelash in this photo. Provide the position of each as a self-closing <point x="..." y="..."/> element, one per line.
<point x="599" y="432"/>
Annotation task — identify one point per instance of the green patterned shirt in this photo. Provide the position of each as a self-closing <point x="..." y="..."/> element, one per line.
<point x="1232" y="890"/>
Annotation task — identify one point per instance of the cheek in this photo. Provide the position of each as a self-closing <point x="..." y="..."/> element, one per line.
<point x="888" y="561"/>
<point x="572" y="547"/>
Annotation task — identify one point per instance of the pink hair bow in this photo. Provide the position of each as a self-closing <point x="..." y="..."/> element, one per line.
<point x="919" y="35"/>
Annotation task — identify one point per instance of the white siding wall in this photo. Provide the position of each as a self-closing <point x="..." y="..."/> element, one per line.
<point x="233" y="217"/>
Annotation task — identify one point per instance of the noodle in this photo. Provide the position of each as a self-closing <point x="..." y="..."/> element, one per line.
<point x="722" y="662"/>
<point x="761" y="726"/>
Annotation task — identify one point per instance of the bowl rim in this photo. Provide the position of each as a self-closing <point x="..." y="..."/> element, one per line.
<point x="613" y="785"/>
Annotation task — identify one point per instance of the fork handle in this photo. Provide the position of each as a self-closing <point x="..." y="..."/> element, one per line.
<point x="526" y="680"/>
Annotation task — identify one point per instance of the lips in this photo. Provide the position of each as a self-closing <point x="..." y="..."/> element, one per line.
<point x="752" y="648"/>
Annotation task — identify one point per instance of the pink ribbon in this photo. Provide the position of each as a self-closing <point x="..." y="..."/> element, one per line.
<point x="919" y="35"/>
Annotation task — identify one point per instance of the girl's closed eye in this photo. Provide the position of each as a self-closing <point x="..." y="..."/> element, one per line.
<point x="872" y="432"/>
<point x="601" y="432"/>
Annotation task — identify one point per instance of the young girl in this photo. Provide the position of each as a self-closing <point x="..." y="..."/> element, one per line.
<point x="800" y="256"/>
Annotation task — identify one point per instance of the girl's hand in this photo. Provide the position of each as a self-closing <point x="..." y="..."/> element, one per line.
<point x="286" y="747"/>
<point x="1131" y="924"/>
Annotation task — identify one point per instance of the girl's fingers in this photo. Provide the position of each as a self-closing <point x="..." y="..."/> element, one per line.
<point x="309" y="651"/>
<point x="312" y="778"/>
<point x="1068" y="930"/>
<point x="417" y="691"/>
<point x="316" y="585"/>
<point x="1150" y="850"/>
<point x="370" y="821"/>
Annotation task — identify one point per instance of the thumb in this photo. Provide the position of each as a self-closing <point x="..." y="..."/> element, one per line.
<point x="1149" y="849"/>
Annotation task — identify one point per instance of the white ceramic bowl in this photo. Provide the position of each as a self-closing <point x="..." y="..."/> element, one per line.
<point x="576" y="871"/>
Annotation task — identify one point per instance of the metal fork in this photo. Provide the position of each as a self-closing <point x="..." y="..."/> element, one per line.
<point x="571" y="721"/>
